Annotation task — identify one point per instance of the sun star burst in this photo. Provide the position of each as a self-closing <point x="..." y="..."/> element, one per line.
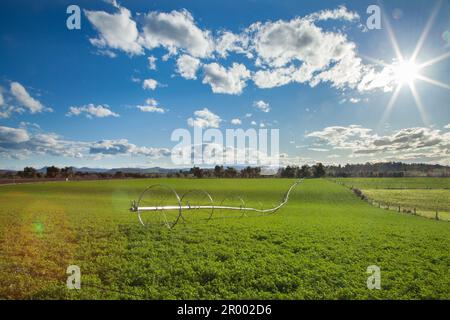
<point x="405" y="72"/>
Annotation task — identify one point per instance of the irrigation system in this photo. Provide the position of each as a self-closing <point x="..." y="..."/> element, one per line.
<point x="163" y="203"/>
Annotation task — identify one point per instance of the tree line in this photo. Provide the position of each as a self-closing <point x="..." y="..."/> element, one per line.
<point x="228" y="172"/>
<point x="386" y="169"/>
<point x="305" y="171"/>
<point x="54" y="172"/>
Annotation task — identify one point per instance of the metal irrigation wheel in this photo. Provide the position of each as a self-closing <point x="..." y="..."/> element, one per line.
<point x="230" y="203"/>
<point x="191" y="201"/>
<point x="157" y="196"/>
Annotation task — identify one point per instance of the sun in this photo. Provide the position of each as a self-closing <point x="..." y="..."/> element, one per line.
<point x="406" y="72"/>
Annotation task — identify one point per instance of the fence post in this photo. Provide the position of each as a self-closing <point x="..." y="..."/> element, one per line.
<point x="414" y="211"/>
<point x="398" y="208"/>
<point x="437" y="215"/>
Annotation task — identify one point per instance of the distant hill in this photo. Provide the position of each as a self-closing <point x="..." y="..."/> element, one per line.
<point x="7" y="171"/>
<point x="143" y="170"/>
<point x="127" y="170"/>
<point x="90" y="170"/>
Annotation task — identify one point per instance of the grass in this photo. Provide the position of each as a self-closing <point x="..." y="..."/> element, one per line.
<point x="426" y="202"/>
<point x="317" y="247"/>
<point x="396" y="183"/>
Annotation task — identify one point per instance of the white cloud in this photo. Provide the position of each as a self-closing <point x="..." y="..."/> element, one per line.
<point x="344" y="137"/>
<point x="411" y="138"/>
<point x="281" y="42"/>
<point x="227" y="42"/>
<point x="176" y="31"/>
<point x="323" y="56"/>
<point x="18" y="143"/>
<point x="6" y="111"/>
<point x="341" y="13"/>
<point x="152" y="62"/>
<point x="12" y="135"/>
<point x="116" y="31"/>
<point x="221" y="80"/>
<point x="24" y="99"/>
<point x="123" y="147"/>
<point x="21" y="144"/>
<point x="372" y="79"/>
<point x="150" y="84"/>
<point x="204" y="119"/>
<point x="274" y="77"/>
<point x="345" y="73"/>
<point x="261" y="105"/>
<point x="154" y="109"/>
<point x="106" y="53"/>
<point x="187" y="66"/>
<point x="24" y="124"/>
<point x="236" y="121"/>
<point x="318" y="149"/>
<point x="151" y="106"/>
<point x="91" y="110"/>
<point x="417" y="143"/>
<point x="284" y="51"/>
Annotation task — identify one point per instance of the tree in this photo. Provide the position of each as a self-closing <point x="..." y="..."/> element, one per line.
<point x="67" y="172"/>
<point x="230" y="172"/>
<point x="289" y="172"/>
<point x="219" y="171"/>
<point x="251" y="172"/>
<point x="52" y="172"/>
<point x="197" y="172"/>
<point x="318" y="170"/>
<point x="29" y="172"/>
<point x="255" y="172"/>
<point x="118" y="174"/>
<point x="304" y="172"/>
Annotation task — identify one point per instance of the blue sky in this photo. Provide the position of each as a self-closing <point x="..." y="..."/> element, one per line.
<point x="79" y="97"/>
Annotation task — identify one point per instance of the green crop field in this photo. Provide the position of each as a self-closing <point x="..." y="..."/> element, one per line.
<point x="316" y="247"/>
